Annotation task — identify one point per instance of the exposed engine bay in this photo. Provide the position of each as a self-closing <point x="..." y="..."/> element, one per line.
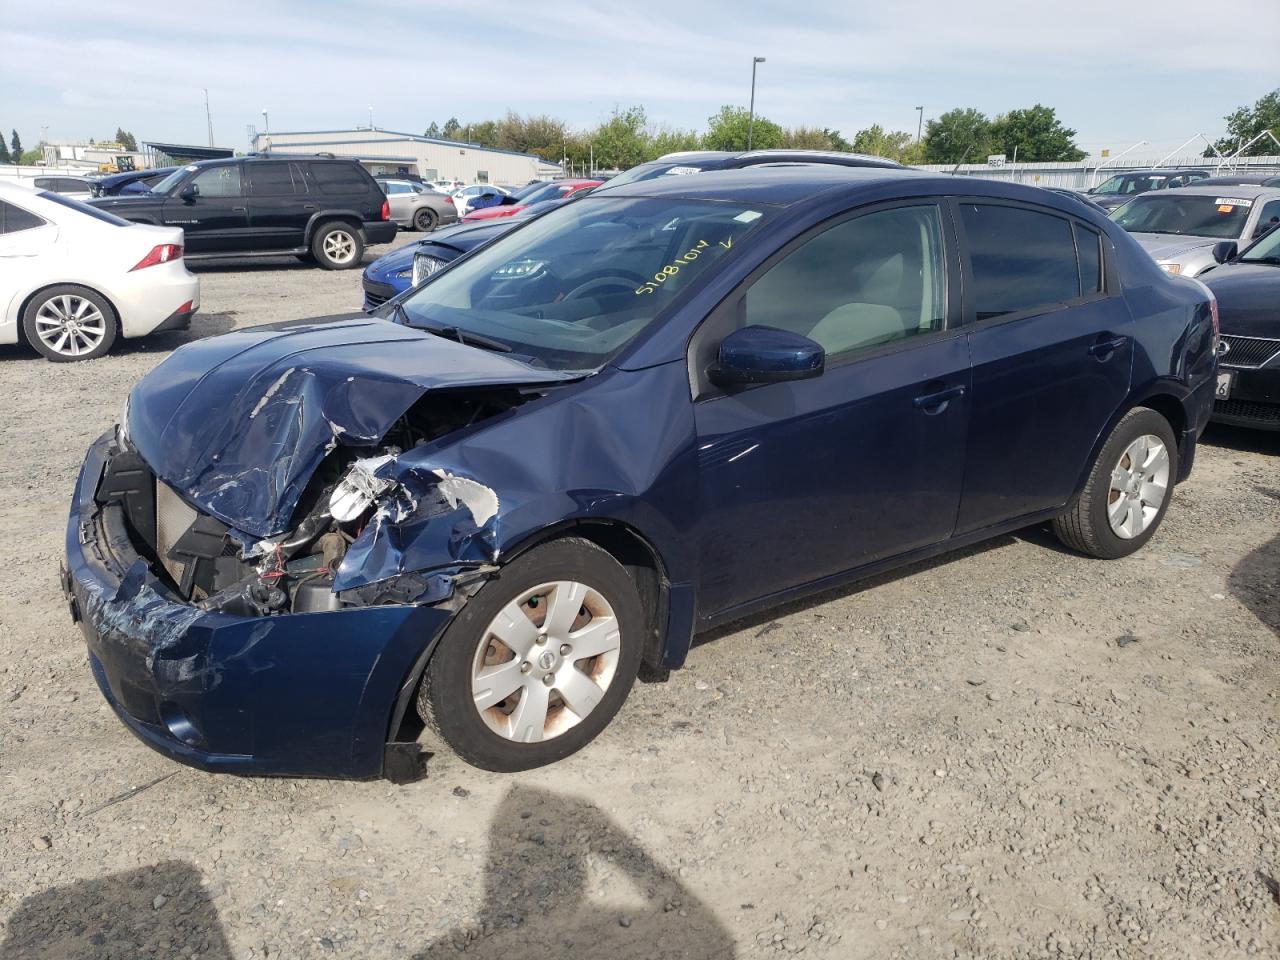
<point x="217" y="568"/>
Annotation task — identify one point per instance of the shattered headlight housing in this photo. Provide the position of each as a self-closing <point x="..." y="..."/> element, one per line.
<point x="359" y="489"/>
<point x="122" y="428"/>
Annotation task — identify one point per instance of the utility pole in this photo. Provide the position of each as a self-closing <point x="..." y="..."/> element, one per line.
<point x="266" y="131"/>
<point x="592" y="152"/>
<point x="751" y="121"/>
<point x="208" y="117"/>
<point x="370" y="116"/>
<point x="919" y="123"/>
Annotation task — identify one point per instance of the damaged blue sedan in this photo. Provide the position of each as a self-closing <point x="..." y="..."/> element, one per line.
<point x="535" y="477"/>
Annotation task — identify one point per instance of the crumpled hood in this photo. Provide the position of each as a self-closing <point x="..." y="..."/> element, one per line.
<point x="1162" y="246"/>
<point x="239" y="423"/>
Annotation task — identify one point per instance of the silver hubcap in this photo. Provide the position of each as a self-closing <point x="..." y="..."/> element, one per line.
<point x="1139" y="483"/>
<point x="545" y="661"/>
<point x="69" y="325"/>
<point x="340" y="246"/>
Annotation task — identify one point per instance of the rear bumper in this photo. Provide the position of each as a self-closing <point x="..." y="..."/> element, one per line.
<point x="156" y="299"/>
<point x="380" y="231"/>
<point x="310" y="694"/>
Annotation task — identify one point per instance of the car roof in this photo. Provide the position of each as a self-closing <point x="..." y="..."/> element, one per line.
<point x="1259" y="179"/>
<point x="800" y="183"/>
<point x="1249" y="190"/>
<point x="725" y="158"/>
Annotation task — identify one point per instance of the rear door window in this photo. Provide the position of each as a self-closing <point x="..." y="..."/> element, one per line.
<point x="339" y="178"/>
<point x="1021" y="260"/>
<point x="274" y="179"/>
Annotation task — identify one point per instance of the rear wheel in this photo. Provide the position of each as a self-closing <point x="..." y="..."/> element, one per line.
<point x="68" y="323"/>
<point x="539" y="661"/>
<point x="338" y="246"/>
<point x="1128" y="489"/>
<point x="425" y="220"/>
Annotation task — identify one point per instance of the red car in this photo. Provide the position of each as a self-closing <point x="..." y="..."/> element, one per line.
<point x="534" y="193"/>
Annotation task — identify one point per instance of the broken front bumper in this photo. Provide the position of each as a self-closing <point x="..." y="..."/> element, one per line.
<point x="307" y="694"/>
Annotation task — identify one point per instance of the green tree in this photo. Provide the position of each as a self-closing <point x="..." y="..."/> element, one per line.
<point x="1036" y="133"/>
<point x="15" y="145"/>
<point x="32" y="157"/>
<point x="126" y="140"/>
<point x="622" y="141"/>
<point x="432" y="131"/>
<point x="667" y="140"/>
<point x="807" y="138"/>
<point x="959" y="135"/>
<point x="875" y="140"/>
<point x="837" y="141"/>
<point x="1247" y="122"/>
<point x="542" y="135"/>
<point x="728" y="130"/>
<point x="4" y="152"/>
<point x="484" y="133"/>
<point x="452" y="129"/>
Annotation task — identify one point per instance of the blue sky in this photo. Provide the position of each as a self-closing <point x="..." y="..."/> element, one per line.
<point x="1117" y="71"/>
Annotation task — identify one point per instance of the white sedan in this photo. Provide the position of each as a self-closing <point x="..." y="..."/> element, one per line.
<point x="73" y="278"/>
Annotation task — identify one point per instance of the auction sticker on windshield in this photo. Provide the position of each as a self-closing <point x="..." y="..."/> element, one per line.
<point x="1233" y="202"/>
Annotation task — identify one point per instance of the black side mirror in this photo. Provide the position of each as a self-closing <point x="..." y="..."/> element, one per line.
<point x="189" y="192"/>
<point x="766" y="355"/>
<point x="1224" y="250"/>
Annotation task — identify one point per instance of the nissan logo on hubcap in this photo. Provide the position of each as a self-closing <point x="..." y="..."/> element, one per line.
<point x="547" y="660"/>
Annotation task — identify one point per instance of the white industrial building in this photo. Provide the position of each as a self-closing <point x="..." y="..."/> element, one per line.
<point x="389" y="152"/>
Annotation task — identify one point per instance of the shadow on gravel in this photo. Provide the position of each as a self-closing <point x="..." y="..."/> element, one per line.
<point x="1242" y="439"/>
<point x="203" y="325"/>
<point x="564" y="880"/>
<point x="158" y="911"/>
<point x="1255" y="582"/>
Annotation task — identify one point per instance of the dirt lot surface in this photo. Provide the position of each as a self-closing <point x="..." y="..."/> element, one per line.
<point x="1010" y="752"/>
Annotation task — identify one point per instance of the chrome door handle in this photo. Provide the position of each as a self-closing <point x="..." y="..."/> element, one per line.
<point x="1105" y="348"/>
<point x="933" y="402"/>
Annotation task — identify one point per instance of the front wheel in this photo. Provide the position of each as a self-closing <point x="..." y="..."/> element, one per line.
<point x="1128" y="489"/>
<point x="68" y="323"/>
<point x="338" y="246"/>
<point x="538" y="661"/>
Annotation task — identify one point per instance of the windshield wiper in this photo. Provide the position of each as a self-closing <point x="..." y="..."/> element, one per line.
<point x="453" y="333"/>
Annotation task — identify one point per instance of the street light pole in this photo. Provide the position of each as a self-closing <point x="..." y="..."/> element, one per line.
<point x="919" y="123"/>
<point x="371" y="116"/>
<point x="266" y="129"/>
<point x="208" y="117"/>
<point x="751" y="121"/>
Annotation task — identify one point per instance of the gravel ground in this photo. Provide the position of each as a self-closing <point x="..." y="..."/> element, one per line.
<point x="1009" y="752"/>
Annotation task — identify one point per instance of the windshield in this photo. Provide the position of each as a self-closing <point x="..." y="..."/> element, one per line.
<point x="171" y="181"/>
<point x="1127" y="183"/>
<point x="1266" y="250"/>
<point x="575" y="286"/>
<point x="1205" y="216"/>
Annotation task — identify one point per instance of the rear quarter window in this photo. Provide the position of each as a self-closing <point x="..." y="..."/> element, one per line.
<point x="339" y="178"/>
<point x="14" y="219"/>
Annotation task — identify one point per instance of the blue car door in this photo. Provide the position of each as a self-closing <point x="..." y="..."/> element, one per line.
<point x="1052" y="347"/>
<point x="802" y="480"/>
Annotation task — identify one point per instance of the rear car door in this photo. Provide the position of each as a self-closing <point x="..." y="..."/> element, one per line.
<point x="802" y="480"/>
<point x="23" y="236"/>
<point x="1052" y="347"/>
<point x="217" y="217"/>
<point x="276" y="199"/>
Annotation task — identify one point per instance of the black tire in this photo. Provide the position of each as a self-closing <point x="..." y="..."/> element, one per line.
<point x="425" y="220"/>
<point x="337" y="245"/>
<point x="445" y="700"/>
<point x="87" y="332"/>
<point x="1084" y="526"/>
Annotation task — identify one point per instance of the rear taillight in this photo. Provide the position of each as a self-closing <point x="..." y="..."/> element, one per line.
<point x="161" y="254"/>
<point x="450" y="199"/>
<point x="386" y="209"/>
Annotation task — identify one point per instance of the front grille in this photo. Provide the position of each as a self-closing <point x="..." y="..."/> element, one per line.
<point x="1262" y="413"/>
<point x="1248" y="351"/>
<point x="377" y="293"/>
<point x="173" y="519"/>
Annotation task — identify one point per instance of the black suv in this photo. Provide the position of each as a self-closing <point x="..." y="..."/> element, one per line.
<point x="318" y="208"/>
